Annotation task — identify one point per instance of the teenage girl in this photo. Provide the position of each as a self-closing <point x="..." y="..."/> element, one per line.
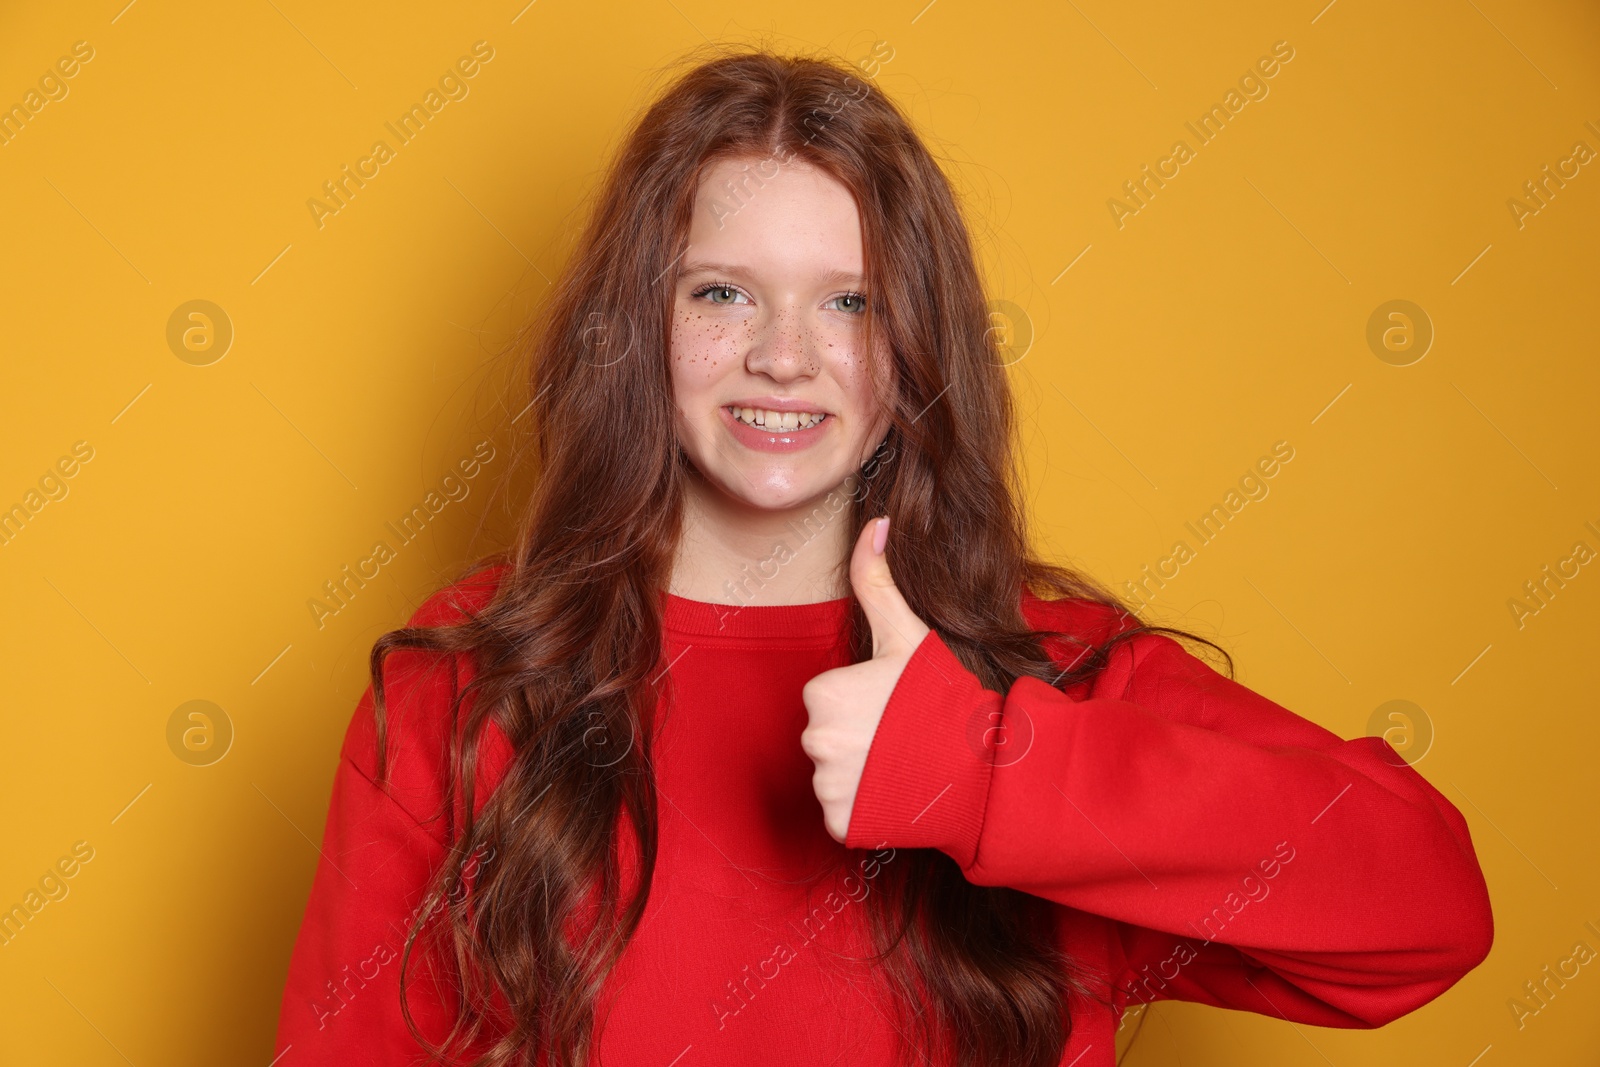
<point x="771" y="741"/>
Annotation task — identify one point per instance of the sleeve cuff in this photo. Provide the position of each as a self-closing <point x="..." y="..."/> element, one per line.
<point x="926" y="780"/>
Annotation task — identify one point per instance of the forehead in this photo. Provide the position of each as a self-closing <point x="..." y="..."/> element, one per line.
<point x="792" y="217"/>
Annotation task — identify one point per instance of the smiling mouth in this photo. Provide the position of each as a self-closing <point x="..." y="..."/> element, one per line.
<point x="777" y="421"/>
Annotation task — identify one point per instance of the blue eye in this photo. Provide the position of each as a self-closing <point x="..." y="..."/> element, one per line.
<point x="718" y="289"/>
<point x="727" y="294"/>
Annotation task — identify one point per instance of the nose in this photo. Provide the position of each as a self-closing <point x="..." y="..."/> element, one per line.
<point x="784" y="347"/>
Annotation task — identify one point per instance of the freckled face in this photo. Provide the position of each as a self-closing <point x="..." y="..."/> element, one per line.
<point x="768" y="307"/>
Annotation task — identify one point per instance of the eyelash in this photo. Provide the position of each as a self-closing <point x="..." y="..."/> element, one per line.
<point x="711" y="286"/>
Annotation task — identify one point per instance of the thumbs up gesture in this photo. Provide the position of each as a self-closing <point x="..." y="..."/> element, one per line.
<point x="844" y="705"/>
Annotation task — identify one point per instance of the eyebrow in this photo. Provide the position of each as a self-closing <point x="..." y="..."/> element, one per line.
<point x="736" y="271"/>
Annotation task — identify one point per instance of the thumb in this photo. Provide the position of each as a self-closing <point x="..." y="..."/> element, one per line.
<point x="895" y="627"/>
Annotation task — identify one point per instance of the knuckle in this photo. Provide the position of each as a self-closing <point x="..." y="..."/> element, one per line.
<point x="821" y="747"/>
<point x="819" y="691"/>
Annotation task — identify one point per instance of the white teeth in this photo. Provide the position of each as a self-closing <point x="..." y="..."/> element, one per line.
<point x="777" y="421"/>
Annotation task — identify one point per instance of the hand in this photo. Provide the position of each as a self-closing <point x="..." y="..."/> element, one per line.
<point x="844" y="705"/>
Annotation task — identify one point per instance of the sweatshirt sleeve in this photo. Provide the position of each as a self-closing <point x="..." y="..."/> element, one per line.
<point x="1247" y="857"/>
<point x="341" y="1003"/>
<point x="380" y="848"/>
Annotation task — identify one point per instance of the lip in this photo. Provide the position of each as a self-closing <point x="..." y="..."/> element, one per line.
<point x="782" y="441"/>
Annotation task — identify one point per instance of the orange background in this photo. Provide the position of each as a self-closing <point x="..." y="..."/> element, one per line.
<point x="215" y="491"/>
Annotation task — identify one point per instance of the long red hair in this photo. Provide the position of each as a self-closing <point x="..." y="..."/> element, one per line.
<point x="566" y="649"/>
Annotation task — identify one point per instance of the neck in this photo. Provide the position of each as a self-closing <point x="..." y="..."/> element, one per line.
<point x="729" y="553"/>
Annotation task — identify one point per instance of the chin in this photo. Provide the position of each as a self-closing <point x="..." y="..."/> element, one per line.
<point x="775" y="501"/>
<point x="774" y="498"/>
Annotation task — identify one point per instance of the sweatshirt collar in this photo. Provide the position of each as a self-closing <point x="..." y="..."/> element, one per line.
<point x="699" y="618"/>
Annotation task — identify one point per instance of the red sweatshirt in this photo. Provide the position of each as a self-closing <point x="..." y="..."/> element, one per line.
<point x="1201" y="842"/>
